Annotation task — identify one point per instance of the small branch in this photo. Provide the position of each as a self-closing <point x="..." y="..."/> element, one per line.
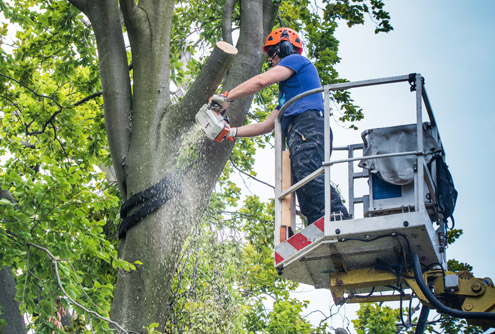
<point x="317" y="311"/>
<point x="55" y="263"/>
<point x="78" y="282"/>
<point x="32" y="90"/>
<point x="218" y="273"/>
<point x="248" y="175"/>
<point x="43" y="128"/>
<point x="61" y="144"/>
<point x="87" y="98"/>
<point x="49" y="121"/>
<point x="244" y="215"/>
<point x="19" y="110"/>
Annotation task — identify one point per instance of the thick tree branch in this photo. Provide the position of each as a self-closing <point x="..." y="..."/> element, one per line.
<point x="207" y="81"/>
<point x="132" y="16"/>
<point x="270" y="9"/>
<point x="149" y="25"/>
<point x="246" y="65"/>
<point x="228" y="9"/>
<point x="115" y="80"/>
<point x="128" y="5"/>
<point x="80" y="4"/>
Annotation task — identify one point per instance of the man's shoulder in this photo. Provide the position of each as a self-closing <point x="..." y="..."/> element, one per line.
<point x="294" y="61"/>
<point x="295" y="58"/>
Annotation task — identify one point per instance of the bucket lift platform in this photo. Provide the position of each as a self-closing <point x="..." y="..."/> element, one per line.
<point x="398" y="219"/>
<point x="320" y="250"/>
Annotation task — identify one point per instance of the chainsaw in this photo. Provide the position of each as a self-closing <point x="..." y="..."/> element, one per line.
<point x="212" y="122"/>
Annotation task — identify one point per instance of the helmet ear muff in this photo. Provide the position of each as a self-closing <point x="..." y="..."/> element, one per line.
<point x="286" y="49"/>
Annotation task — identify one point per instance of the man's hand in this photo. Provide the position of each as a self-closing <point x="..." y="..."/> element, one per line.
<point x="232" y="133"/>
<point x="227" y="133"/>
<point x="219" y="102"/>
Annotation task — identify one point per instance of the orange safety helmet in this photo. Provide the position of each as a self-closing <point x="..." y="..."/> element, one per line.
<point x="283" y="34"/>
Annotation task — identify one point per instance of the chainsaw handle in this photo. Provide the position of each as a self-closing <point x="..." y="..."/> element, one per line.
<point x="218" y="103"/>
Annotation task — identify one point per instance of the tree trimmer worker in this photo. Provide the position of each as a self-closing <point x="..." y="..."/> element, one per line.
<point x="302" y="122"/>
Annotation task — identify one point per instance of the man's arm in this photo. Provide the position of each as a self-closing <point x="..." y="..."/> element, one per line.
<point x="256" y="129"/>
<point x="259" y="82"/>
<point x="249" y="87"/>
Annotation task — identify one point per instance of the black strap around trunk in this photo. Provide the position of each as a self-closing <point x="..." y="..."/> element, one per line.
<point x="150" y="200"/>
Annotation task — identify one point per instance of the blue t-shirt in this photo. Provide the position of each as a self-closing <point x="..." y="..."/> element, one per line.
<point x="305" y="78"/>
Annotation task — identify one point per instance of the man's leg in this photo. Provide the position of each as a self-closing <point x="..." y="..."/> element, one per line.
<point x="305" y="142"/>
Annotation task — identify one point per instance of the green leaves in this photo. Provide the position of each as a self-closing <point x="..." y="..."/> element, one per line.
<point x="456" y="266"/>
<point x="285" y="318"/>
<point x="225" y="278"/>
<point x="354" y="12"/>
<point x="373" y="318"/>
<point x="454" y="325"/>
<point x="62" y="201"/>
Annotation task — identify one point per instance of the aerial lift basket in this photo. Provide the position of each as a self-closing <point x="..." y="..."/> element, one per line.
<point x="399" y="215"/>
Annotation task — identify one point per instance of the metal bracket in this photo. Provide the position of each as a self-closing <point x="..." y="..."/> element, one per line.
<point x="412" y="81"/>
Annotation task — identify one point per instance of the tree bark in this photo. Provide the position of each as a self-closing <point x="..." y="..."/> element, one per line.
<point x="148" y="24"/>
<point x="8" y="306"/>
<point x="115" y="80"/>
<point x="228" y="9"/>
<point x="157" y="240"/>
<point x="204" y="86"/>
<point x="165" y="140"/>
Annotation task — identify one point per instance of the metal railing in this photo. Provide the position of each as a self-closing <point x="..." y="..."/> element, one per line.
<point x="416" y="82"/>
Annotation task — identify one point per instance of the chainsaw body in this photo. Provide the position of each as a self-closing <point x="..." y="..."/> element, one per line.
<point x="212" y="123"/>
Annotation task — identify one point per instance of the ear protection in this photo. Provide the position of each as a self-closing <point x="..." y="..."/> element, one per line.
<point x="286" y="48"/>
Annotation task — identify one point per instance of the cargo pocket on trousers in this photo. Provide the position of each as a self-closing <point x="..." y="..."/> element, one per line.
<point x="305" y="159"/>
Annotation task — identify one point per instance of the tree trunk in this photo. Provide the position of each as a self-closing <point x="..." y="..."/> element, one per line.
<point x="164" y="140"/>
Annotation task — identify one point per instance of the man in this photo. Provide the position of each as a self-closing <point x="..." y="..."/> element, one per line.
<point x="302" y="122"/>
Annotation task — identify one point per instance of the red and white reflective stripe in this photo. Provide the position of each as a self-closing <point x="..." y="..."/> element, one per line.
<point x="300" y="240"/>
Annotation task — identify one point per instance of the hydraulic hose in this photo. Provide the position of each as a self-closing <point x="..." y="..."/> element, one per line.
<point x="418" y="276"/>
<point x="423" y="319"/>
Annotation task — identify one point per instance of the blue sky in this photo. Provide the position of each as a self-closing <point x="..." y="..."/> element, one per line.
<point x="452" y="44"/>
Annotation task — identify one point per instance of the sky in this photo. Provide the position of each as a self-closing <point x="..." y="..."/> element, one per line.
<point x="451" y="43"/>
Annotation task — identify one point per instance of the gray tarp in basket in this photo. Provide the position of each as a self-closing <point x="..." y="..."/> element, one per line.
<point x="395" y="139"/>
